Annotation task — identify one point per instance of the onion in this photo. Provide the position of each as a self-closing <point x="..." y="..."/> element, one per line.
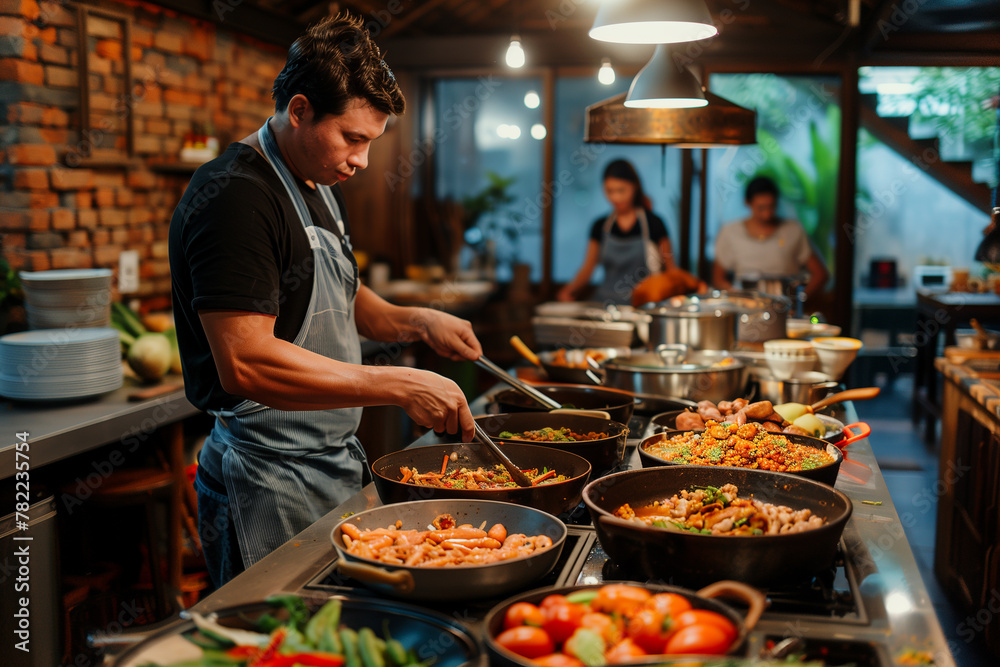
<point x="150" y="356"/>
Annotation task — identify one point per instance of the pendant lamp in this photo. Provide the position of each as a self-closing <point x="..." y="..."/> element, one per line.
<point x="652" y="21"/>
<point x="664" y="84"/>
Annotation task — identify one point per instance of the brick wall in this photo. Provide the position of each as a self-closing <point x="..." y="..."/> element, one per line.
<point x="60" y="206"/>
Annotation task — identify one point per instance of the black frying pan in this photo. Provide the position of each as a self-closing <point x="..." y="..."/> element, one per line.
<point x="827" y="474"/>
<point x="694" y="558"/>
<point x="604" y="454"/>
<point x="464" y="582"/>
<point x="553" y="498"/>
<point x="617" y="403"/>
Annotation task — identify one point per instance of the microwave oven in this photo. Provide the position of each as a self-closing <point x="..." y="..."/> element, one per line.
<point x="932" y="278"/>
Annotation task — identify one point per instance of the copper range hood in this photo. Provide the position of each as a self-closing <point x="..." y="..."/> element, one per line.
<point x="720" y="123"/>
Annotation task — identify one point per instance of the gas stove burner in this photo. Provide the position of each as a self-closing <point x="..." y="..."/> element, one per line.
<point x="832" y="593"/>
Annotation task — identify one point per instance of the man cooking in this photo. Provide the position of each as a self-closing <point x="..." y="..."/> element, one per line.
<point x="269" y="307"/>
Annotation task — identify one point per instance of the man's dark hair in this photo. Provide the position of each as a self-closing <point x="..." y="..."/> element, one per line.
<point x="336" y="61"/>
<point x="761" y="185"/>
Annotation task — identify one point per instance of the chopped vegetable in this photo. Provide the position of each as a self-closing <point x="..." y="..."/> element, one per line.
<point x="586" y="646"/>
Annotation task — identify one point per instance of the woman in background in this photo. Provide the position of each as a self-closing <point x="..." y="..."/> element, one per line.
<point x="765" y="244"/>
<point x="631" y="243"/>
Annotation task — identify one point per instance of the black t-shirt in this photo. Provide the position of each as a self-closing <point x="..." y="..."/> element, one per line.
<point x="236" y="243"/>
<point x="657" y="230"/>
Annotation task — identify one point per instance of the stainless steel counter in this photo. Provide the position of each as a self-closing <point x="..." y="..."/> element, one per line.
<point x="61" y="430"/>
<point x="896" y="615"/>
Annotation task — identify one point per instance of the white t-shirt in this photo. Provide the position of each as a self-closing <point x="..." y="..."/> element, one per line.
<point x="783" y="253"/>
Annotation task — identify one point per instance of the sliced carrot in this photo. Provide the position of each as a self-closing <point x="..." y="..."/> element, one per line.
<point x="407" y="474"/>
<point x="542" y="478"/>
<point x="444" y="466"/>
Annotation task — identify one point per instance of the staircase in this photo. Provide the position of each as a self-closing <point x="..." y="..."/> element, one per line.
<point x="965" y="170"/>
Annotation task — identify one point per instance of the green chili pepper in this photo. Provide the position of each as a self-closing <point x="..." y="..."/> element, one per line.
<point x="349" y="639"/>
<point x="371" y="655"/>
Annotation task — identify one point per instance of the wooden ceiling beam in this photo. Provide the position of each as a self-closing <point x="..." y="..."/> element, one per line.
<point x="404" y="20"/>
<point x="487" y="8"/>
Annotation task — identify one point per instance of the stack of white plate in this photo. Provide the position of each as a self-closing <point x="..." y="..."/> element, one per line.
<point x="59" y="364"/>
<point x="67" y="298"/>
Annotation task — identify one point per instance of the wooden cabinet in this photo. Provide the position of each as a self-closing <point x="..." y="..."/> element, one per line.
<point x="967" y="543"/>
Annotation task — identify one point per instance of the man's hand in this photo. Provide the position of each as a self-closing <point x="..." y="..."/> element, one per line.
<point x="447" y="335"/>
<point x="435" y="402"/>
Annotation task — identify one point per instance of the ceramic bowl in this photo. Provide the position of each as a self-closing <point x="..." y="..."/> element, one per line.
<point x="836" y="354"/>
<point x="786" y="358"/>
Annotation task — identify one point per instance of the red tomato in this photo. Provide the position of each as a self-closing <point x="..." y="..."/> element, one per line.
<point x="552" y="601"/>
<point x="703" y="639"/>
<point x="706" y="617"/>
<point x="668" y="604"/>
<point x="650" y="630"/>
<point x="523" y="613"/>
<point x="526" y="641"/>
<point x="620" y="598"/>
<point x="557" y="660"/>
<point x="624" y="651"/>
<point x="609" y="628"/>
<point x="562" y="619"/>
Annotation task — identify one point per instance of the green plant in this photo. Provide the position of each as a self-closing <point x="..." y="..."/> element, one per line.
<point x="10" y="285"/>
<point x="953" y="99"/>
<point x="489" y="210"/>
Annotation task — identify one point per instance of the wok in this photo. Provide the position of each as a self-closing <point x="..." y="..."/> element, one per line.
<point x="837" y="433"/>
<point x="453" y="644"/>
<point x="462" y="582"/>
<point x="604" y="454"/>
<point x="827" y="474"/>
<point x="618" y="404"/>
<point x="577" y="375"/>
<point x="552" y="498"/>
<point x="756" y="560"/>
<point x="703" y="599"/>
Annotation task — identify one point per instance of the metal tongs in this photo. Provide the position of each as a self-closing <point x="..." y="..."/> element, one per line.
<point x="522" y="387"/>
<point x="515" y="473"/>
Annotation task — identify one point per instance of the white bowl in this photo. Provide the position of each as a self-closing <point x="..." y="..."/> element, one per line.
<point x="836" y="354"/>
<point x="783" y="368"/>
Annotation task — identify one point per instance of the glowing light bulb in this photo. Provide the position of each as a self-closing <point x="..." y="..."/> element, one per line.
<point x="532" y="100"/>
<point x="538" y="131"/>
<point x="515" y="54"/>
<point x="513" y="132"/>
<point x="606" y="74"/>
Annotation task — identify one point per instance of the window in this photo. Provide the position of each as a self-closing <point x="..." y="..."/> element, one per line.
<point x="798" y="145"/>
<point x="578" y="194"/>
<point x="487" y="127"/>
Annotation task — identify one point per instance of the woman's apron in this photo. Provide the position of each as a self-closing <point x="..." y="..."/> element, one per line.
<point x="626" y="261"/>
<point x="283" y="470"/>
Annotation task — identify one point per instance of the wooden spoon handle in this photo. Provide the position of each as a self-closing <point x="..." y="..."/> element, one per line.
<point x="862" y="394"/>
<point x="525" y="351"/>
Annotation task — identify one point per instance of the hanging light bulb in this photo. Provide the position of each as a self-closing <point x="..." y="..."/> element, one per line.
<point x="515" y="54"/>
<point x="532" y="100"/>
<point x="606" y="74"/>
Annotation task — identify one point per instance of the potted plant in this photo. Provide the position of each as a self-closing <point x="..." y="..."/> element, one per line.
<point x="493" y="227"/>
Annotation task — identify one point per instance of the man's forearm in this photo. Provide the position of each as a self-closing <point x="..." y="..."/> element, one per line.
<point x="377" y="319"/>
<point x="285" y="376"/>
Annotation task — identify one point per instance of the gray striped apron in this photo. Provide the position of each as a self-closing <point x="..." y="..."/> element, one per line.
<point x="626" y="261"/>
<point x="284" y="470"/>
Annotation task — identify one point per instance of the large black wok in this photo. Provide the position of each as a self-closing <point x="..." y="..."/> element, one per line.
<point x="694" y="558"/>
<point x="617" y="403"/>
<point x="553" y="498"/>
<point x="463" y="582"/>
<point x="604" y="454"/>
<point x="827" y="474"/>
<point x="431" y="634"/>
